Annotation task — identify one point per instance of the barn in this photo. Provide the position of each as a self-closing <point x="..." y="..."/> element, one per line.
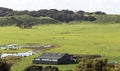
<point x="52" y="58"/>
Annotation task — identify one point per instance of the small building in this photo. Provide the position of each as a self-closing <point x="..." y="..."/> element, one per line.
<point x="52" y="58"/>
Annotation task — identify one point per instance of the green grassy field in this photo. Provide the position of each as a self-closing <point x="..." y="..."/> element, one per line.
<point x="103" y="39"/>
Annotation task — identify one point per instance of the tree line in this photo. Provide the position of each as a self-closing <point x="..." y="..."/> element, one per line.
<point x="61" y="15"/>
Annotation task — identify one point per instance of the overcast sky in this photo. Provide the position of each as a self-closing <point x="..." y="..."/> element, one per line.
<point x="108" y="6"/>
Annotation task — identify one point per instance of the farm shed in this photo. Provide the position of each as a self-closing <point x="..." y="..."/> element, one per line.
<point x="52" y="58"/>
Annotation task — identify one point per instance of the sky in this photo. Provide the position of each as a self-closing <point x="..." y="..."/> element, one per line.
<point x="108" y="6"/>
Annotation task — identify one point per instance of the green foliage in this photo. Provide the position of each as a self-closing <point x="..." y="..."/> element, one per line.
<point x="63" y="15"/>
<point x="40" y="20"/>
<point x="92" y="65"/>
<point x="89" y="18"/>
<point x="33" y="68"/>
<point x="100" y="13"/>
<point x="40" y="68"/>
<point x="30" y="18"/>
<point x="107" y="19"/>
<point x="5" y="21"/>
<point x="26" y="20"/>
<point x="113" y="67"/>
<point x="6" y="12"/>
<point x="4" y="66"/>
<point x="46" y="20"/>
<point x="96" y="65"/>
<point x="117" y="67"/>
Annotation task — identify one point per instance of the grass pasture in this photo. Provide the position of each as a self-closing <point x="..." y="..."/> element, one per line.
<point x="103" y="39"/>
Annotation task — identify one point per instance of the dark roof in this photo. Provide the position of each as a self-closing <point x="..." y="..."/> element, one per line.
<point x="51" y="55"/>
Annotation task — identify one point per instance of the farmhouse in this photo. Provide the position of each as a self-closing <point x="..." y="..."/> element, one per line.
<point x="52" y="58"/>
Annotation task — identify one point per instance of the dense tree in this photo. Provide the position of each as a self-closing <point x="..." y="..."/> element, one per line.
<point x="67" y="12"/>
<point x="88" y="13"/>
<point x="62" y="17"/>
<point x="43" y="12"/>
<point x="51" y="12"/>
<point x="78" y="16"/>
<point x="81" y="12"/>
<point x="89" y="18"/>
<point x="33" y="14"/>
<point x="59" y="15"/>
<point x="25" y="12"/>
<point x="6" y="12"/>
<point x="100" y="13"/>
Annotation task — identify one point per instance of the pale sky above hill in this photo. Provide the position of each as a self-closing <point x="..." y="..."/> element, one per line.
<point x="108" y="6"/>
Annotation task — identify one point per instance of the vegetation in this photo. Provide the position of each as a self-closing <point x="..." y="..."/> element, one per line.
<point x="6" y="12"/>
<point x="92" y="65"/>
<point x="4" y="66"/>
<point x="63" y="15"/>
<point x="88" y="33"/>
<point x="107" y="19"/>
<point x="72" y="38"/>
<point x="26" y="21"/>
<point x="5" y="21"/>
<point x="40" y="68"/>
<point x="97" y="65"/>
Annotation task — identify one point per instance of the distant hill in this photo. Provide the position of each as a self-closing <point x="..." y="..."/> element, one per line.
<point x="61" y="15"/>
<point x="107" y="18"/>
<point x="26" y="19"/>
<point x="52" y="16"/>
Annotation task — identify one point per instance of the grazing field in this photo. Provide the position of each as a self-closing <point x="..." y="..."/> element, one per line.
<point x="103" y="39"/>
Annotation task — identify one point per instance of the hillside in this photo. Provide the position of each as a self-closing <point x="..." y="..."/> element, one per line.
<point x="107" y="19"/>
<point x="26" y="19"/>
<point x="52" y="16"/>
<point x="100" y="19"/>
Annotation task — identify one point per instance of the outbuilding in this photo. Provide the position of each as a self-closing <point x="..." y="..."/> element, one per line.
<point x="52" y="58"/>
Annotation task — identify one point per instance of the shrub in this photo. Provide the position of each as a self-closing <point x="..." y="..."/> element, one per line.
<point x="4" y="21"/>
<point x="4" y="66"/>
<point x="46" y="20"/>
<point x="92" y="65"/>
<point x="40" y="68"/>
<point x="33" y="68"/>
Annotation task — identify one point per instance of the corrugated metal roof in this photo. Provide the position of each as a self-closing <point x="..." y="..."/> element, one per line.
<point x="51" y="55"/>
